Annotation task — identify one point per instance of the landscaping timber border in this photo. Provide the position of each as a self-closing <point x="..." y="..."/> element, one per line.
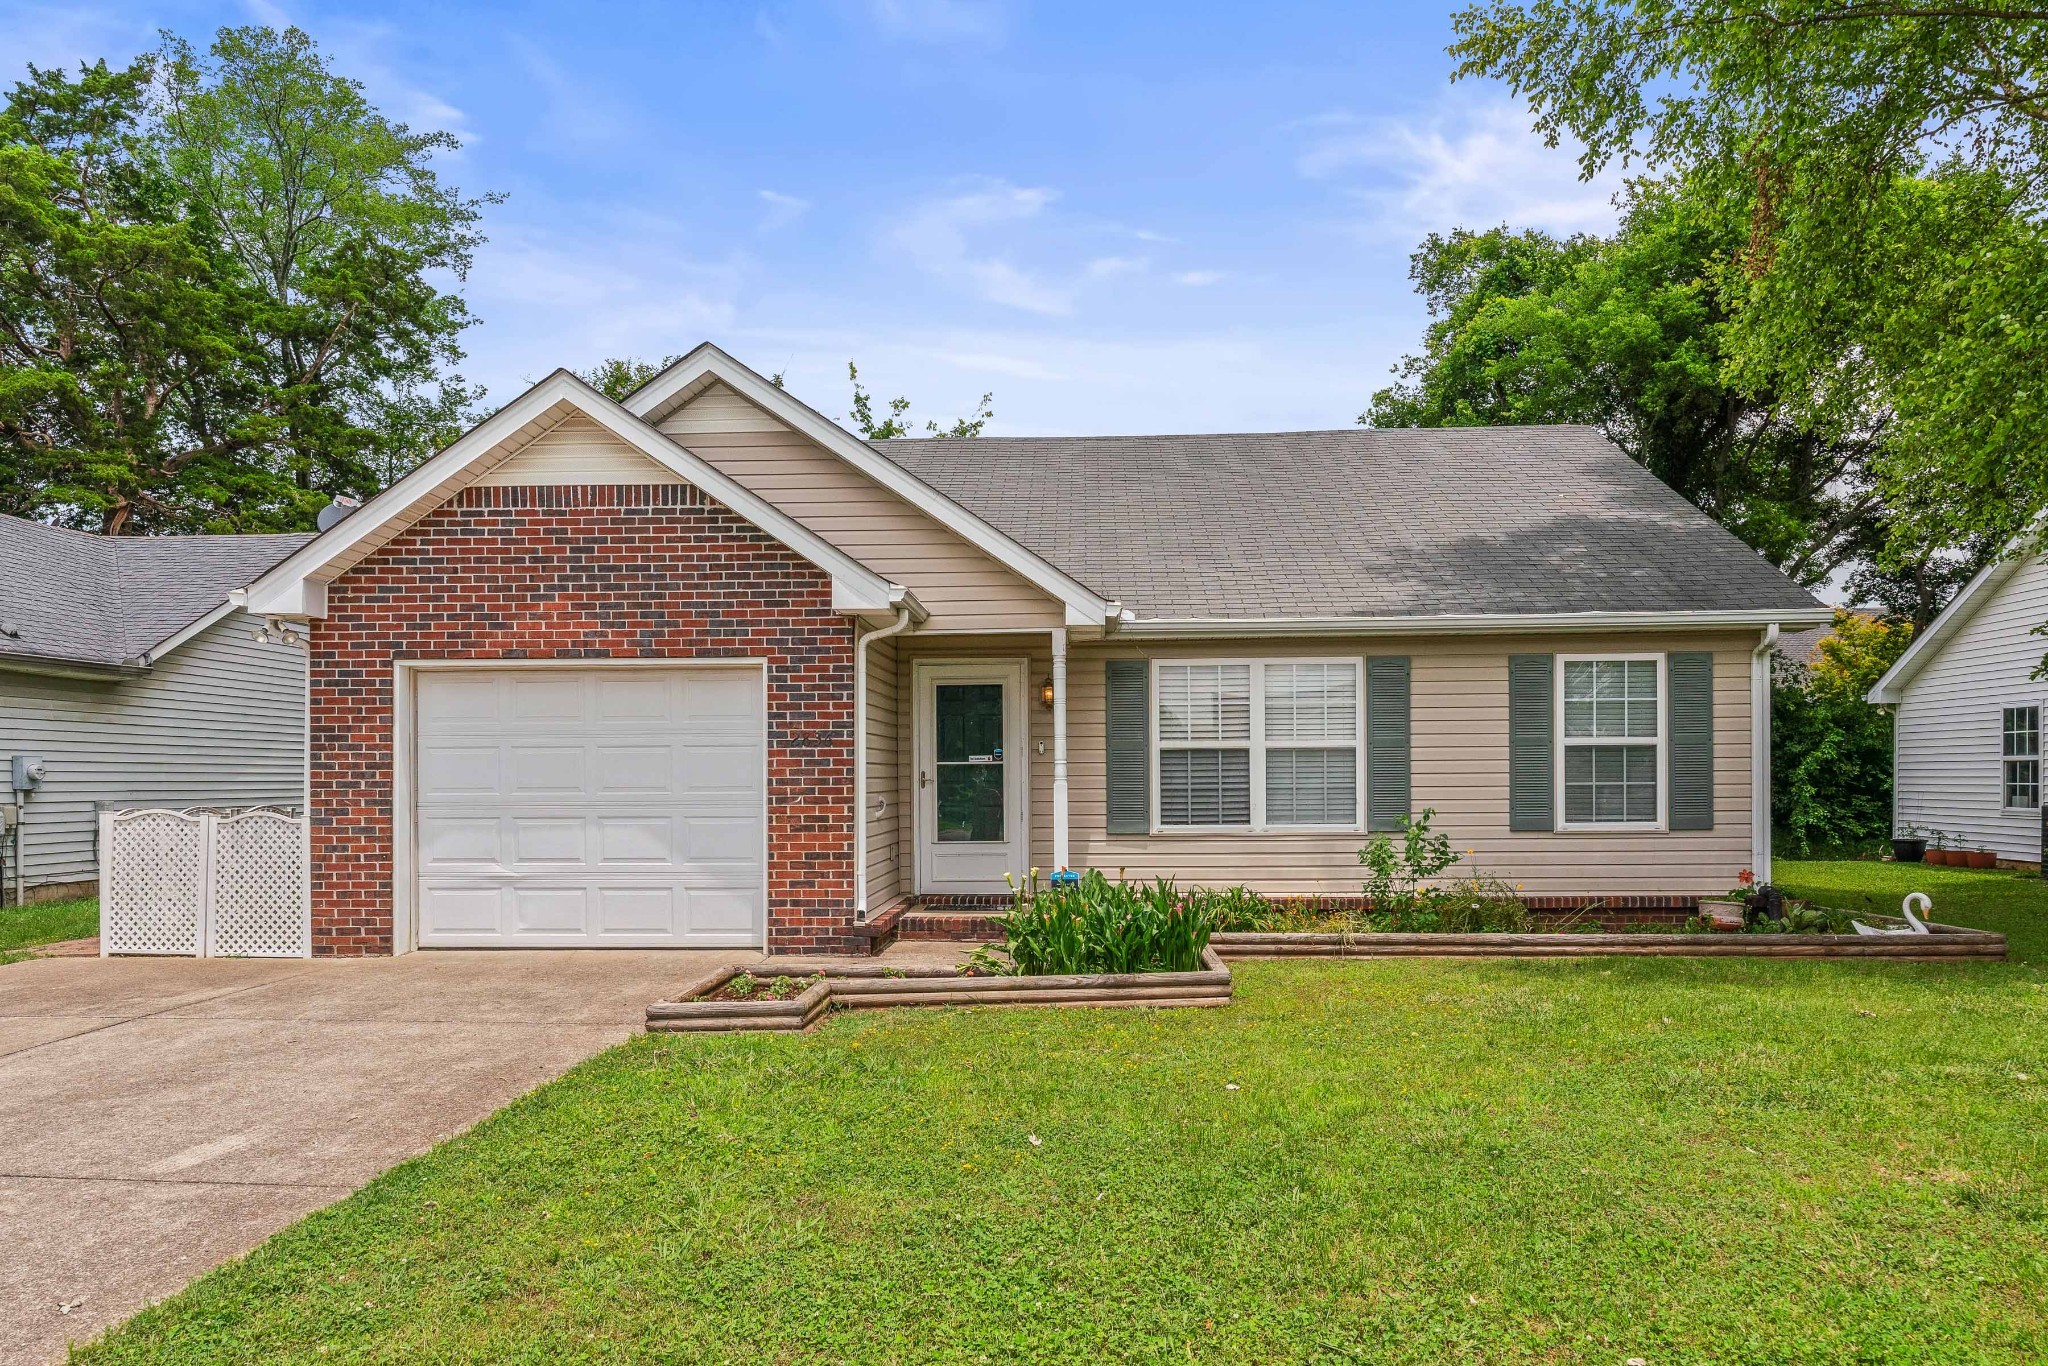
<point x="1947" y="943"/>
<point x="857" y="984"/>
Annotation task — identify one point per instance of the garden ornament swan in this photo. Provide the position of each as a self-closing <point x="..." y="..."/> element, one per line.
<point x="1914" y="924"/>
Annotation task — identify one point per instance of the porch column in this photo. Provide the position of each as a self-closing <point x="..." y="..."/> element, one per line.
<point x="1060" y="857"/>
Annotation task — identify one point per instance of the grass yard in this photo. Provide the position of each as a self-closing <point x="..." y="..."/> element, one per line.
<point x="1473" y="1161"/>
<point x="46" y="922"/>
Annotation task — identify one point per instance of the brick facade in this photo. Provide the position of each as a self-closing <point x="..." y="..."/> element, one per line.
<point x="574" y="572"/>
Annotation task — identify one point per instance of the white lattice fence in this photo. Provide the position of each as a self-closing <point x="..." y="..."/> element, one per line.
<point x="210" y="884"/>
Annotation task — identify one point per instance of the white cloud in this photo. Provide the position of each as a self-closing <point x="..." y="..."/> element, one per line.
<point x="940" y="21"/>
<point x="576" y="116"/>
<point x="361" y="52"/>
<point x="62" y="36"/>
<point x="935" y="238"/>
<point x="1197" y="278"/>
<point x="1103" y="267"/>
<point x="1473" y="164"/>
<point x="783" y="209"/>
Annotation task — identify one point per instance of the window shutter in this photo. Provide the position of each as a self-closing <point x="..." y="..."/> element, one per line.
<point x="1128" y="746"/>
<point x="1386" y="742"/>
<point x="1532" y="785"/>
<point x="1692" y="740"/>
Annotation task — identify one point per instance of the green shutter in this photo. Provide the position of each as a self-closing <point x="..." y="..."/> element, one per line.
<point x="1386" y="742"/>
<point x="1128" y="747"/>
<point x="1691" y="680"/>
<point x="1532" y="779"/>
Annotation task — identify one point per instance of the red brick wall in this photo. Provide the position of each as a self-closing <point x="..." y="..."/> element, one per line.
<point x="603" y="572"/>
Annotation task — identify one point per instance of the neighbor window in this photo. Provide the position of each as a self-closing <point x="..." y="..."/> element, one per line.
<point x="1259" y="744"/>
<point x="2022" y="751"/>
<point x="1611" y="740"/>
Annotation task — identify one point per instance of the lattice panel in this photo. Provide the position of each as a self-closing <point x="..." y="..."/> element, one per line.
<point x="259" y="887"/>
<point x="153" y="895"/>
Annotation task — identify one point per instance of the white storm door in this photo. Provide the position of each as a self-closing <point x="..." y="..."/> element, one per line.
<point x="587" y="807"/>
<point x="972" y="768"/>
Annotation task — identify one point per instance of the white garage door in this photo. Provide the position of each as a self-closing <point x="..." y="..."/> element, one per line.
<point x="601" y="807"/>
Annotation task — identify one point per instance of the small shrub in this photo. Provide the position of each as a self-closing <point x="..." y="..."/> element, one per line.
<point x="1098" y="926"/>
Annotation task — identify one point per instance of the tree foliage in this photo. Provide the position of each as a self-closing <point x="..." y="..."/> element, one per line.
<point x="617" y="376"/>
<point x="1831" y="751"/>
<point x="1891" y="156"/>
<point x="1628" y="333"/>
<point x="217" y="297"/>
<point x="898" y="422"/>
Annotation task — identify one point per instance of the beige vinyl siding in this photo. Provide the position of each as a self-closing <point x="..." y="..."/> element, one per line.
<point x="221" y="721"/>
<point x="1459" y="733"/>
<point x="1950" y="725"/>
<point x="964" y="588"/>
<point x="884" y="809"/>
<point x="578" y="451"/>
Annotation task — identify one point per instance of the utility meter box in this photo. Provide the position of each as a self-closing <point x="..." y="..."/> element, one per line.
<point x="28" y="773"/>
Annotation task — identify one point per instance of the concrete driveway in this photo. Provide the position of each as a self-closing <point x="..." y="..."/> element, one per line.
<point x="159" y="1116"/>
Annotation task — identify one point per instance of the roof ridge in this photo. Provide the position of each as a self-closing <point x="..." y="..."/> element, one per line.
<point x="1355" y="430"/>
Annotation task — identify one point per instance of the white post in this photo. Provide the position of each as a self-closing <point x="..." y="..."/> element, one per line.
<point x="1760" y="755"/>
<point x="862" y="640"/>
<point x="1060" y="856"/>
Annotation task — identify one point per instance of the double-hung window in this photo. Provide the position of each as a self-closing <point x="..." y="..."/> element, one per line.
<point x="2021" y="750"/>
<point x="1258" y="745"/>
<point x="1611" y="736"/>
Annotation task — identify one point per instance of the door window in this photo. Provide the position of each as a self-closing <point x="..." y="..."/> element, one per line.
<point x="969" y="721"/>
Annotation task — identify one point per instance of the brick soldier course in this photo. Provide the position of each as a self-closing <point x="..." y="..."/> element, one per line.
<point x="585" y="572"/>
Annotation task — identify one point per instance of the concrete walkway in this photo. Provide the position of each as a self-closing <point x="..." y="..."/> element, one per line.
<point x="159" y="1116"/>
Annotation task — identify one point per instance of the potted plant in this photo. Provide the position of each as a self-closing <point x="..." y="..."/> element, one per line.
<point x="1981" y="858"/>
<point x="1938" y="855"/>
<point x="1910" y="847"/>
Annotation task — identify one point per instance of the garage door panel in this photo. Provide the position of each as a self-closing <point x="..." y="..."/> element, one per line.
<point x="591" y="806"/>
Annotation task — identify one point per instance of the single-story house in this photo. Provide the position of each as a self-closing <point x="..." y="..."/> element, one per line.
<point x="704" y="668"/>
<point x="126" y="671"/>
<point x="1966" y="737"/>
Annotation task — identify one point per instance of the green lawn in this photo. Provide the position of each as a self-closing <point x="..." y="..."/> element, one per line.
<point x="1509" y="1161"/>
<point x="46" y="922"/>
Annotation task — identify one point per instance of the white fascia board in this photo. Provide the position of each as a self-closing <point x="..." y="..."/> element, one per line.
<point x="189" y="630"/>
<point x="298" y="588"/>
<point x="1891" y="689"/>
<point x="1504" y="623"/>
<point x="1084" y="606"/>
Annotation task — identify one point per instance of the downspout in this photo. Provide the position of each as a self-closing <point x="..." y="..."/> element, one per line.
<point x="1760" y="754"/>
<point x="860" y="758"/>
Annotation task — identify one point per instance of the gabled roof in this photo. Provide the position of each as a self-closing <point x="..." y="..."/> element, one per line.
<point x="298" y="587"/>
<point x="77" y="599"/>
<point x="707" y="365"/>
<point x="1954" y="617"/>
<point x="1361" y="525"/>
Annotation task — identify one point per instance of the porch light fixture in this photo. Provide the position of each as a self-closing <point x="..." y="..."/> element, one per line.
<point x="1045" y="693"/>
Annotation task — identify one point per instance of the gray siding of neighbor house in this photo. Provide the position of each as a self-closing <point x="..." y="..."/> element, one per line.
<point x="220" y="722"/>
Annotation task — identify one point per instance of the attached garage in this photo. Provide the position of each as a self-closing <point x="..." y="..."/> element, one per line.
<point x="571" y="806"/>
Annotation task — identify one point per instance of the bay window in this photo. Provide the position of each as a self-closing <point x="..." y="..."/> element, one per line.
<point x="1257" y="744"/>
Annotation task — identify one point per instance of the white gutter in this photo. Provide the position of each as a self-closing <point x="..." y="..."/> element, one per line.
<point x="1760" y="754"/>
<point x="1478" y="623"/>
<point x="860" y="758"/>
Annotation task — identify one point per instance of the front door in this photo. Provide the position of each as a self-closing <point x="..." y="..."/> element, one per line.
<point x="971" y="773"/>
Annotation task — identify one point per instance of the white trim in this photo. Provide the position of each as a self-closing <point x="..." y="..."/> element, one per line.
<point x="1015" y="674"/>
<point x="404" y="820"/>
<point x="149" y="657"/>
<point x="1200" y="628"/>
<point x="1061" y="852"/>
<point x="2040" y="712"/>
<point x="297" y="586"/>
<point x="1760" y="755"/>
<point x="706" y="361"/>
<point x="1256" y="745"/>
<point x="1560" y="743"/>
<point x="1891" y="688"/>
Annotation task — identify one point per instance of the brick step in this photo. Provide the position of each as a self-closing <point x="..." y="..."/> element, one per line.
<point x="977" y="927"/>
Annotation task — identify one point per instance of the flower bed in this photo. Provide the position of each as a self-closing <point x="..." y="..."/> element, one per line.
<point x="852" y="984"/>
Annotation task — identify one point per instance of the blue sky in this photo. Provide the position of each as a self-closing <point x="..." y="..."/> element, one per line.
<point x="1118" y="217"/>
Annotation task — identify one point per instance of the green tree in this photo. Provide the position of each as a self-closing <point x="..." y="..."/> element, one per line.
<point x="119" y="348"/>
<point x="1628" y="333"/>
<point x="618" y="376"/>
<point x="331" y="223"/>
<point x="897" y="423"/>
<point x="1831" y="751"/>
<point x="1891" y="156"/>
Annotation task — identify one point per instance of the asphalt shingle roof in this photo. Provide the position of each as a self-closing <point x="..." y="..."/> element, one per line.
<point x="1354" y="522"/>
<point x="79" y="598"/>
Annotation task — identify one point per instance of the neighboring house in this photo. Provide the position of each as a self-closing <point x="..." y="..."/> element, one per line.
<point x="604" y="674"/>
<point x="1967" y="735"/>
<point x="126" y="671"/>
